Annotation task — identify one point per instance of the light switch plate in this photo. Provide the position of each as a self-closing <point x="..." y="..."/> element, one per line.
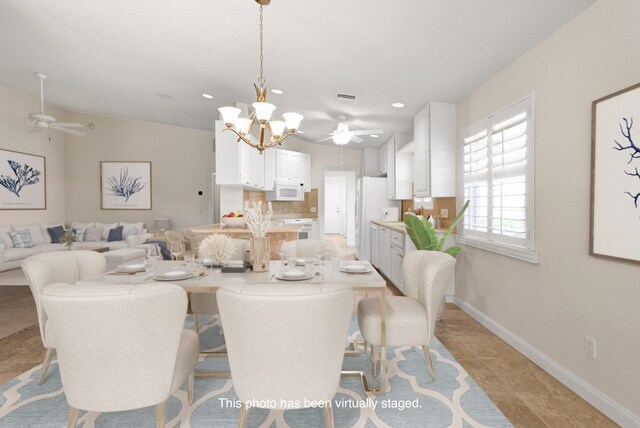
<point x="313" y="209"/>
<point x="444" y="213"/>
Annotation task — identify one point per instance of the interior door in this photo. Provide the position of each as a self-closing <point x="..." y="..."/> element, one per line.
<point x="335" y="204"/>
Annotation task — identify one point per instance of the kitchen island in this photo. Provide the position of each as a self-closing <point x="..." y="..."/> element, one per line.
<point x="276" y="234"/>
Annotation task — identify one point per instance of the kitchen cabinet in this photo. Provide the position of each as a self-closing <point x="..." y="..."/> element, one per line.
<point x="382" y="161"/>
<point x="289" y="167"/>
<point x="269" y="170"/>
<point x="233" y="159"/>
<point x="373" y="233"/>
<point x="306" y="172"/>
<point x="384" y="250"/>
<point x="399" y="169"/>
<point x="434" y="160"/>
<point x="370" y="162"/>
<point x="257" y="170"/>
<point x="397" y="255"/>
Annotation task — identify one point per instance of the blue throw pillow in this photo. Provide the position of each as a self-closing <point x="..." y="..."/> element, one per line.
<point x="115" y="234"/>
<point x="55" y="233"/>
<point x="22" y="239"/>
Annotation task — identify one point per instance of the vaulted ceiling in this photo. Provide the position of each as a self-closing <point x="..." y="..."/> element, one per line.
<point x="114" y="57"/>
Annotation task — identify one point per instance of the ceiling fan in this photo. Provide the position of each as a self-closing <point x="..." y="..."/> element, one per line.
<point x="42" y="120"/>
<point x="341" y="135"/>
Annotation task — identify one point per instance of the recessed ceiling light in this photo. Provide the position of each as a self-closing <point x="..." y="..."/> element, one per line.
<point x="374" y="135"/>
<point x="277" y="91"/>
<point x="398" y="104"/>
<point x="207" y="96"/>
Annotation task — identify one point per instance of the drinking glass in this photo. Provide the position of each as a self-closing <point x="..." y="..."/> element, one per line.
<point x="190" y="260"/>
<point x="176" y="249"/>
<point x="149" y="265"/>
<point x="309" y="262"/>
<point x="282" y="251"/>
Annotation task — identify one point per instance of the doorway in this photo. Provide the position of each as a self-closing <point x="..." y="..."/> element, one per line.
<point x="337" y="200"/>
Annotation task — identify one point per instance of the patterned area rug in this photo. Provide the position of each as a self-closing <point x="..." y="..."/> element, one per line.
<point x="453" y="400"/>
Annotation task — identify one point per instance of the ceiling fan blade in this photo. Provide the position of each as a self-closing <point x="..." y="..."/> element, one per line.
<point x="66" y="125"/>
<point x="21" y="116"/>
<point x="324" y="139"/>
<point x="316" y="132"/>
<point x="69" y="131"/>
<point x="356" y="139"/>
<point x="368" y="132"/>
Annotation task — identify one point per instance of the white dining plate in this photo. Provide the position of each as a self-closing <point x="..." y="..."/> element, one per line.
<point x="294" y="275"/>
<point x="136" y="267"/>
<point x="356" y="268"/>
<point x="174" y="275"/>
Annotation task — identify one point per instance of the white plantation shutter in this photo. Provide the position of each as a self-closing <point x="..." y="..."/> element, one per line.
<point x="498" y="177"/>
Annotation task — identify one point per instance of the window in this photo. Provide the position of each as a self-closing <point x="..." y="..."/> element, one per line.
<point x="497" y="179"/>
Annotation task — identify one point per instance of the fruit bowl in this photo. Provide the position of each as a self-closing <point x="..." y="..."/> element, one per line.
<point x="233" y="222"/>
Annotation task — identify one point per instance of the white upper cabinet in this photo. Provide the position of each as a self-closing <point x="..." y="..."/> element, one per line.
<point x="382" y="161"/>
<point x="257" y="169"/>
<point x="233" y="159"/>
<point x="289" y="167"/>
<point x="434" y="160"/>
<point x="269" y="170"/>
<point x="399" y="169"/>
<point x="306" y="172"/>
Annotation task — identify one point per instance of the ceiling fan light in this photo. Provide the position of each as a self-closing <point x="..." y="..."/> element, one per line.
<point x="293" y="120"/>
<point x="341" y="138"/>
<point x="229" y="115"/>
<point x="263" y="111"/>
<point x="277" y="127"/>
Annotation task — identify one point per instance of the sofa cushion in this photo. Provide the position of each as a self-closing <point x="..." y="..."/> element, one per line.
<point x="76" y="225"/>
<point x="5" y="239"/>
<point x="106" y="227"/>
<point x="55" y="233"/>
<point x="93" y="234"/>
<point x="43" y="248"/>
<point x="13" y="254"/>
<point x="115" y="234"/>
<point x="45" y="232"/>
<point x="22" y="239"/>
<point x="34" y="230"/>
<point x="116" y="245"/>
<point x="80" y="234"/>
<point x="131" y="229"/>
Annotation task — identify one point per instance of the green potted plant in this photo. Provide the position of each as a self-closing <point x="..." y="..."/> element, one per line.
<point x="68" y="238"/>
<point x="424" y="237"/>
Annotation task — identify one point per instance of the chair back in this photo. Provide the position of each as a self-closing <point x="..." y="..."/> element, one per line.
<point x="286" y="342"/>
<point x="240" y="247"/>
<point x="310" y="248"/>
<point x="117" y="343"/>
<point x="59" y="266"/>
<point x="426" y="275"/>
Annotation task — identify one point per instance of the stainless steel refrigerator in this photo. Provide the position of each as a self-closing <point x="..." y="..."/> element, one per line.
<point x="371" y="198"/>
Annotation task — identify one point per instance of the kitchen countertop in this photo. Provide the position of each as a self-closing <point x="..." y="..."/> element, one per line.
<point x="397" y="226"/>
<point x="218" y="228"/>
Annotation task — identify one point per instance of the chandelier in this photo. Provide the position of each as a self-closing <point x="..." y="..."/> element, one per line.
<point x="262" y="114"/>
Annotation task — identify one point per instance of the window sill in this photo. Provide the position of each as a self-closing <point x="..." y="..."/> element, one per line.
<point x="529" y="256"/>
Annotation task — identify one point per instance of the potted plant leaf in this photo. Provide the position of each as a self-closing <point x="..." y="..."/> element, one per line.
<point x="68" y="238"/>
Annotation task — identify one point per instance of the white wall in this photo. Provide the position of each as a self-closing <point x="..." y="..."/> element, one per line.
<point x="15" y="135"/>
<point x="569" y="295"/>
<point x="180" y="160"/>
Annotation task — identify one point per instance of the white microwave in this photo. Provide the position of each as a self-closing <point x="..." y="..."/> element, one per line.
<point x="286" y="192"/>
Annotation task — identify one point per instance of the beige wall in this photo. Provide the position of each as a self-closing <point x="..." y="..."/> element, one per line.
<point x="180" y="160"/>
<point x="15" y="135"/>
<point x="324" y="156"/>
<point x="570" y="294"/>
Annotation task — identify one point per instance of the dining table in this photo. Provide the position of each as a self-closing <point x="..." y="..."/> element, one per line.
<point x="209" y="280"/>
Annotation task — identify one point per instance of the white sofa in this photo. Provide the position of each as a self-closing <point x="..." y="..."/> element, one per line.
<point x="10" y="257"/>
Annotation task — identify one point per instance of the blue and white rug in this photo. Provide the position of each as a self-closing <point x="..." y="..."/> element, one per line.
<point x="453" y="400"/>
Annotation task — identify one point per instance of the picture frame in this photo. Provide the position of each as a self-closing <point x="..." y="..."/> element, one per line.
<point x="23" y="183"/>
<point x="125" y="185"/>
<point x="615" y="176"/>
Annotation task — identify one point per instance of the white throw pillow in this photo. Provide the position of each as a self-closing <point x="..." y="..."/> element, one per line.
<point x="45" y="232"/>
<point x="36" y="232"/>
<point x="129" y="229"/>
<point x="93" y="234"/>
<point x="5" y="239"/>
<point x="76" y="225"/>
<point x="106" y="227"/>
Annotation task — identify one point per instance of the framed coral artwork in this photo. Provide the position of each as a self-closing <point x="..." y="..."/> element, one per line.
<point x="22" y="181"/>
<point x="125" y="185"/>
<point x="615" y="176"/>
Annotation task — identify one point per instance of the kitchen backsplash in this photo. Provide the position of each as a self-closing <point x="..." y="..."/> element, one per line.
<point x="281" y="209"/>
<point x="438" y="204"/>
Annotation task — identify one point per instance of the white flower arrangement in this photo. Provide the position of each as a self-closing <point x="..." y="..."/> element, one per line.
<point x="217" y="247"/>
<point x="258" y="221"/>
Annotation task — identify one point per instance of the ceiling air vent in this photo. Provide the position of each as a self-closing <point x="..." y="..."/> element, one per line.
<point x="165" y="97"/>
<point x="346" y="98"/>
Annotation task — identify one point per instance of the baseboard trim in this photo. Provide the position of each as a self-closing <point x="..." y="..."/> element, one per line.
<point x="597" y="399"/>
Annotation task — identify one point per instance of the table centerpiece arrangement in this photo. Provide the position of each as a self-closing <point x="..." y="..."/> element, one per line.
<point x="258" y="221"/>
<point x="218" y="248"/>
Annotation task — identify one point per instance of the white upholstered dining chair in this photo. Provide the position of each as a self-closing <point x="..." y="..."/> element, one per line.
<point x="120" y="346"/>
<point x="206" y="303"/>
<point x="410" y="319"/>
<point x="320" y="248"/>
<point x="286" y="342"/>
<point x="60" y="266"/>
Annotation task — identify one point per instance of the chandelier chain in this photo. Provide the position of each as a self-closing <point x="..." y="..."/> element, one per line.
<point x="261" y="78"/>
